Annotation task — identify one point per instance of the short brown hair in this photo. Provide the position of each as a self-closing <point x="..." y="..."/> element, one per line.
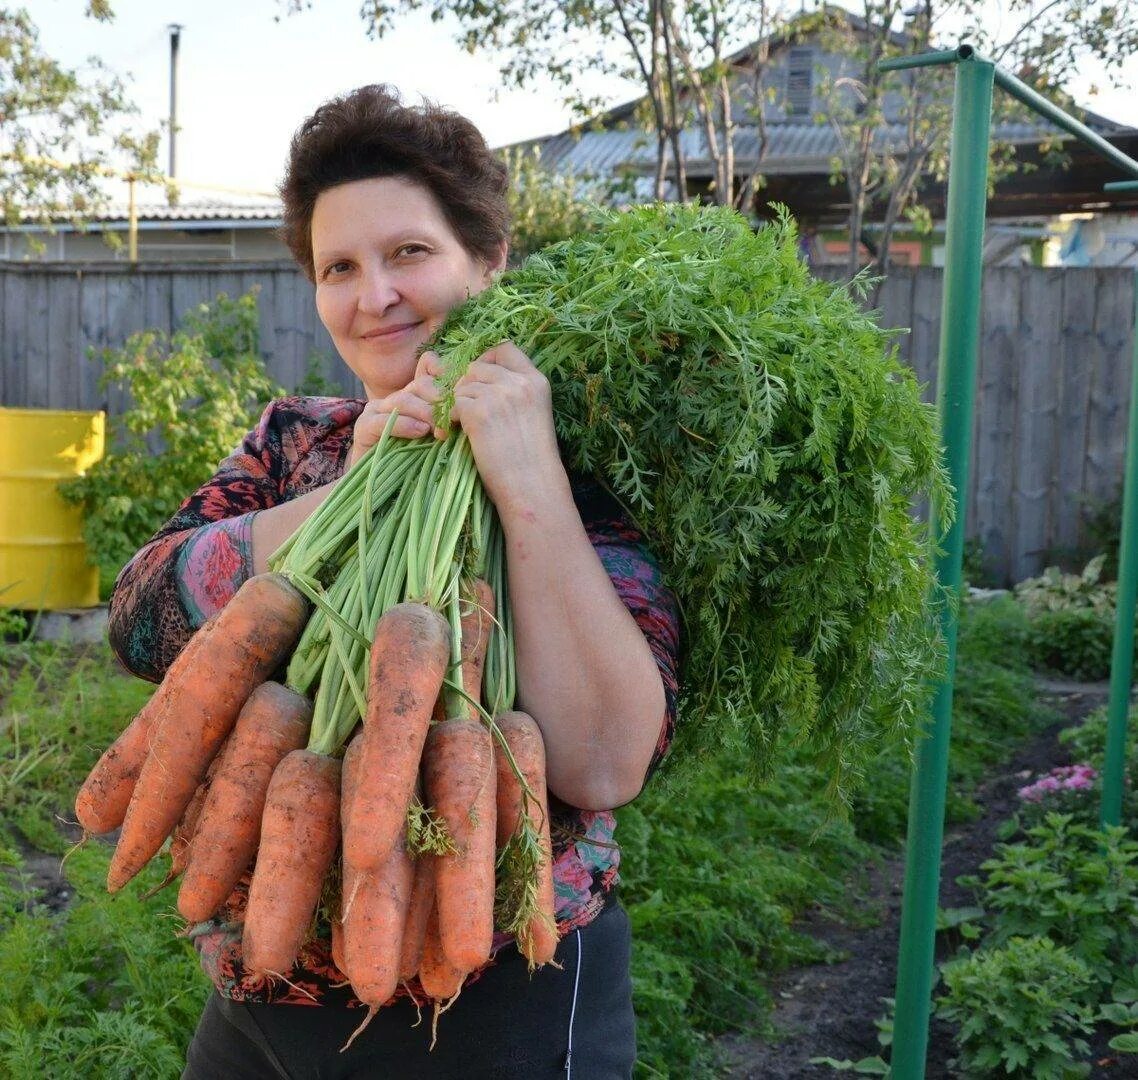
<point x="370" y="133"/>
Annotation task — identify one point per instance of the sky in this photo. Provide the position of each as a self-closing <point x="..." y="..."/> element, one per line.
<point x="248" y="74"/>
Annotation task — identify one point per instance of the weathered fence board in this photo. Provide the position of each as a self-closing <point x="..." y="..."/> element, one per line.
<point x="1052" y="381"/>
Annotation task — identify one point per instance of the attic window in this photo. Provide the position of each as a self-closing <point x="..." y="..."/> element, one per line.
<point x="800" y="81"/>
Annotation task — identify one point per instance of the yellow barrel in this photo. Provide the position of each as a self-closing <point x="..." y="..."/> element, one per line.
<point x="43" y="559"/>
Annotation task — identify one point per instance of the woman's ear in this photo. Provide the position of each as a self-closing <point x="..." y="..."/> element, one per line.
<point x="499" y="263"/>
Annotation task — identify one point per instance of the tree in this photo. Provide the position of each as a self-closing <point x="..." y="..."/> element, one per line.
<point x="676" y="52"/>
<point x="61" y="131"/>
<point x="893" y="128"/>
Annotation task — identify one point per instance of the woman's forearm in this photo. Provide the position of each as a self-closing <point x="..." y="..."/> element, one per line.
<point x="585" y="671"/>
<point x="272" y="527"/>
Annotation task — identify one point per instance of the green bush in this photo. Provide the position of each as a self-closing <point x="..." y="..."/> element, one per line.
<point x="1075" y="642"/>
<point x="1020" y="1009"/>
<point x="1071" y="620"/>
<point x="195" y="394"/>
<point x="1072" y="883"/>
<point x="546" y="206"/>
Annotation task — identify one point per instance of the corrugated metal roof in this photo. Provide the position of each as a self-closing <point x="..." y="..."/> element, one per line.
<point x="199" y="210"/>
<point x="791" y="147"/>
<point x="199" y="214"/>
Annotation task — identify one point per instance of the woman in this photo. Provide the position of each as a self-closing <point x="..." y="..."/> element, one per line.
<point x="398" y="214"/>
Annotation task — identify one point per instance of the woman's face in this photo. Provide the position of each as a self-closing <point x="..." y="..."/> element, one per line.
<point x="388" y="269"/>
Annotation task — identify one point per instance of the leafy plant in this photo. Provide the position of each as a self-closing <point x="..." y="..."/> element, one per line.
<point x="1071" y="620"/>
<point x="546" y="206"/>
<point x="193" y="394"/>
<point x="1086" y="740"/>
<point x="1073" y="884"/>
<point x="1054" y="590"/>
<point x="1021" y="1009"/>
<point x="994" y="706"/>
<point x="1077" y="642"/>
<point x="712" y="885"/>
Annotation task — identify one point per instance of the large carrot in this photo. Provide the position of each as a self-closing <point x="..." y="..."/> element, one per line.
<point x="458" y="775"/>
<point x="273" y="722"/>
<point x="409" y="656"/>
<point x="458" y="767"/>
<point x="374" y="914"/>
<point x="252" y="635"/>
<point x="537" y="937"/>
<point x="102" y="801"/>
<point x="438" y="977"/>
<point x="300" y="829"/>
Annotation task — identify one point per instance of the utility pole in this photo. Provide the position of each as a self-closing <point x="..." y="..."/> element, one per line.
<point x="175" y="37"/>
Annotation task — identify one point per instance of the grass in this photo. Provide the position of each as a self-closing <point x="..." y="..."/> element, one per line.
<point x="103" y="988"/>
<point x="713" y="881"/>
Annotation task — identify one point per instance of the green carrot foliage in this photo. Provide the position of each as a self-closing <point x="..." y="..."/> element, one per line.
<point x="761" y="430"/>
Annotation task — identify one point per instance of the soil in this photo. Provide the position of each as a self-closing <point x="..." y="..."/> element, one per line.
<point x="829" y="1009"/>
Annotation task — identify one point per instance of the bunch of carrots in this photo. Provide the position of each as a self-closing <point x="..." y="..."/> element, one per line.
<point x="438" y="809"/>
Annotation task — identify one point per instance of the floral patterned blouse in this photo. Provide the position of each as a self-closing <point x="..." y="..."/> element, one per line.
<point x="199" y="559"/>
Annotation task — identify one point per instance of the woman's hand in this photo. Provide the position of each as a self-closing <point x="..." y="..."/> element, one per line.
<point x="504" y="405"/>
<point x="415" y="404"/>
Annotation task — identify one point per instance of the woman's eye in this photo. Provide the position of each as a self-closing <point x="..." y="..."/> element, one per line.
<point x="411" y="249"/>
<point x="341" y="267"/>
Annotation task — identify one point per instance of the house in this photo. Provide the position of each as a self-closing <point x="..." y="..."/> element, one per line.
<point x="205" y="230"/>
<point x="1029" y="211"/>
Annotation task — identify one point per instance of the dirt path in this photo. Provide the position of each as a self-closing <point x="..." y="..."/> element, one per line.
<point x="830" y="1009"/>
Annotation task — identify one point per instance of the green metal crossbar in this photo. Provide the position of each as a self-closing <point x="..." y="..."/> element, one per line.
<point x="976" y="76"/>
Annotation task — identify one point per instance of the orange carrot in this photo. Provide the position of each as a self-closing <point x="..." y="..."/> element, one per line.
<point x="299" y="832"/>
<point x="374" y="914"/>
<point x="438" y="977"/>
<point x="102" y="801"/>
<point x="419" y="910"/>
<point x="458" y="766"/>
<point x="182" y="839"/>
<point x="273" y="722"/>
<point x="537" y="941"/>
<point x="409" y="656"/>
<point x="252" y="635"/>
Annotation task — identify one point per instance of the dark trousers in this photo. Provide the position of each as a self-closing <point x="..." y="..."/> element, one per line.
<point x="575" y="1023"/>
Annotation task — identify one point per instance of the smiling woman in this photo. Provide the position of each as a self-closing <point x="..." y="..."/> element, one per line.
<point x="398" y="214"/>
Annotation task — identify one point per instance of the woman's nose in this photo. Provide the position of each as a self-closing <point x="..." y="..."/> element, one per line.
<point x="377" y="291"/>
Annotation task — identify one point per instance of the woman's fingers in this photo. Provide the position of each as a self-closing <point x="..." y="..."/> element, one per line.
<point x="415" y="405"/>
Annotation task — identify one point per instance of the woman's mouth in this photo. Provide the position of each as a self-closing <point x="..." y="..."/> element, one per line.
<point x="390" y="333"/>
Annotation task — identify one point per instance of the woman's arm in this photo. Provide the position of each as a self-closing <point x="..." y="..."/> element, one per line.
<point x="585" y="669"/>
<point x="201" y="556"/>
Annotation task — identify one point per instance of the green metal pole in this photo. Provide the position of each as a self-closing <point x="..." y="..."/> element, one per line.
<point x="959" y="338"/>
<point x="1022" y="92"/>
<point x="1122" y="657"/>
<point x="929" y="59"/>
<point x="1121" y="185"/>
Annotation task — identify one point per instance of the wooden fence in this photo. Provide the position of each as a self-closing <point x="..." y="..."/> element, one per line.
<point x="1052" y="393"/>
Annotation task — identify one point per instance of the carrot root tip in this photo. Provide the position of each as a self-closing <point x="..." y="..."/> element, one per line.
<point x="371" y="1011"/>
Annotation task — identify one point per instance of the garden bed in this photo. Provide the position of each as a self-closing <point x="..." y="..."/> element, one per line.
<point x="832" y="1010"/>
